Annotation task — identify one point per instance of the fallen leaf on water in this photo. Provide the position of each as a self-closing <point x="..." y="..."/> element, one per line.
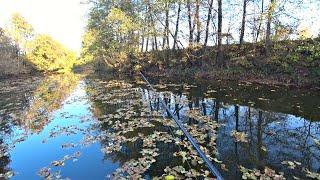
<point x="217" y="161"/>
<point x="317" y="142"/>
<point x="57" y="163"/>
<point x="264" y="148"/>
<point x="239" y="136"/>
<point x="263" y="99"/>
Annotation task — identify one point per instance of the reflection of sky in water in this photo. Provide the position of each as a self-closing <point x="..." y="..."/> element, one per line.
<point x="31" y="155"/>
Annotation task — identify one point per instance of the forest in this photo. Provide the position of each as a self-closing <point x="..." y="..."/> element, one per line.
<point x="255" y="41"/>
<point x="24" y="51"/>
<point x="250" y="40"/>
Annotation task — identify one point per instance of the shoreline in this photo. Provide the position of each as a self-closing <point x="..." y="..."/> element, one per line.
<point x="248" y="78"/>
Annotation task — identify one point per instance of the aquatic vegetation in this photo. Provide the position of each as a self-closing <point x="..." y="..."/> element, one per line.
<point x="7" y="175"/>
<point x="127" y="119"/>
<point x="257" y="174"/>
<point x="312" y="175"/>
<point x="46" y="171"/>
<point x="291" y="164"/>
<point x="239" y="136"/>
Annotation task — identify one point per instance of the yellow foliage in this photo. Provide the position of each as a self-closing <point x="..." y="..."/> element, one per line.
<point x="49" y="55"/>
<point x="305" y="34"/>
<point x="20" y="30"/>
<point x="120" y="21"/>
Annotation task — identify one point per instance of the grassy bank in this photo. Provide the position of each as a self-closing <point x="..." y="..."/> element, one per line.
<point x="291" y="63"/>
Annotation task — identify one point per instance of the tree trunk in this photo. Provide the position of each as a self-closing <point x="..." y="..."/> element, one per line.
<point x="259" y="141"/>
<point x="155" y="42"/>
<point x="219" y="52"/>
<point x="208" y="23"/>
<point x="142" y="44"/>
<point x="147" y="43"/>
<point x="243" y="24"/>
<point x="268" y="32"/>
<point x="190" y="23"/>
<point x="166" y="29"/>
<point x="260" y="21"/>
<point x="177" y="26"/>
<point x="148" y="21"/>
<point x="167" y="25"/>
<point x="198" y="23"/>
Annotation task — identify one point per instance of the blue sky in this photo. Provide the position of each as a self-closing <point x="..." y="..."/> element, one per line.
<point x="64" y="20"/>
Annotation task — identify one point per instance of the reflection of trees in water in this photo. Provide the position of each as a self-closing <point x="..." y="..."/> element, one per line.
<point x="301" y="102"/>
<point x="30" y="101"/>
<point x="14" y="94"/>
<point x="4" y="162"/>
<point x="47" y="97"/>
<point x="4" y="154"/>
<point x="273" y="137"/>
<point x="132" y="150"/>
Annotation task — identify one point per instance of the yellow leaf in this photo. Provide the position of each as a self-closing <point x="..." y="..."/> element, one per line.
<point x="169" y="177"/>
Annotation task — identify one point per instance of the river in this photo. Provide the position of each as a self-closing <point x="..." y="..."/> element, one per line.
<point x="70" y="126"/>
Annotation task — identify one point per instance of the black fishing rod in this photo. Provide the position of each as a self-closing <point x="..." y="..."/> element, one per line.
<point x="214" y="171"/>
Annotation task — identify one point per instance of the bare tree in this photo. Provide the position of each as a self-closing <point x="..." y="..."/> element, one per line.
<point x="177" y="26"/>
<point x="219" y="52"/>
<point x="268" y="31"/>
<point x="243" y="23"/>
<point x="208" y="22"/>
<point x="190" y="23"/>
<point x="197" y="21"/>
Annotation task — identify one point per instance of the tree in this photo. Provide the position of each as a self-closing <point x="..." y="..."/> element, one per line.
<point x="20" y="30"/>
<point x="208" y="22"/>
<point x="177" y="26"/>
<point x="243" y="23"/>
<point x="269" y="21"/>
<point x="165" y="42"/>
<point x="49" y="55"/>
<point x="190" y="23"/>
<point x="305" y="34"/>
<point x="219" y="51"/>
<point x="197" y="21"/>
<point x="260" y="22"/>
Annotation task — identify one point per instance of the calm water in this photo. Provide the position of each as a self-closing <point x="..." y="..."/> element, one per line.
<point x="66" y="126"/>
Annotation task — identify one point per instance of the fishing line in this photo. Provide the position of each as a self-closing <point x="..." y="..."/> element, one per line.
<point x="214" y="171"/>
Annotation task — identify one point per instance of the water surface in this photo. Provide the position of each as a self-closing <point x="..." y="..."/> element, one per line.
<point x="67" y="126"/>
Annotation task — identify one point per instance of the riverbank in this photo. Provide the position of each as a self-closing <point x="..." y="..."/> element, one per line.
<point x="240" y="77"/>
<point x="291" y="63"/>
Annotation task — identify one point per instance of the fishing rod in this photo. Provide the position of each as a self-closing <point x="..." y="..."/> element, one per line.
<point x="214" y="171"/>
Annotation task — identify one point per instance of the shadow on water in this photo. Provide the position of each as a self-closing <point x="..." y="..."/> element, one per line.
<point x="281" y="125"/>
<point x="97" y="128"/>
